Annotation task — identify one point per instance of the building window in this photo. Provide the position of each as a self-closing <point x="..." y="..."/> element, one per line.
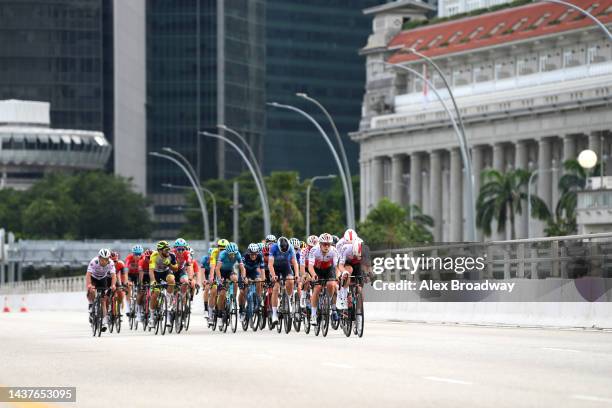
<point x="568" y="59"/>
<point x="591" y="55"/>
<point x="543" y="63"/>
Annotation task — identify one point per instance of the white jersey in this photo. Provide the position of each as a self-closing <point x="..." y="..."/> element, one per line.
<point x="98" y="271"/>
<point x="341" y="243"/>
<point x="347" y="256"/>
<point x="319" y="260"/>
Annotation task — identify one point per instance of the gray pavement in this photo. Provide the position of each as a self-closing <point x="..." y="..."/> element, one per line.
<point x="393" y="365"/>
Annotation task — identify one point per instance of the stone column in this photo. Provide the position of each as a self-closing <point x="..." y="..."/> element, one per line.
<point x="456" y="196"/>
<point x="544" y="173"/>
<point x="416" y="180"/>
<point x="569" y="148"/>
<point x="521" y="161"/>
<point x="362" y="190"/>
<point x="396" y="178"/>
<point x="498" y="157"/>
<point x="477" y="165"/>
<point x="367" y="197"/>
<point x="377" y="180"/>
<point x="595" y="143"/>
<point x="435" y="192"/>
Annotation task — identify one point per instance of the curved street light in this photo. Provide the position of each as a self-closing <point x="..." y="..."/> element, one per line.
<point x="583" y="11"/>
<point x="308" y="188"/>
<point x="212" y="197"/>
<point x="252" y="154"/>
<point x="264" y="203"/>
<point x="467" y="163"/>
<point x="350" y="216"/>
<point x="198" y="194"/>
<point x="347" y="169"/>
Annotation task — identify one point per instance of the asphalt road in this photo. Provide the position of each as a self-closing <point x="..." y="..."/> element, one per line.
<point x="393" y="365"/>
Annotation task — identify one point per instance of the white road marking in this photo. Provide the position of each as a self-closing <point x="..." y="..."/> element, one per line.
<point x="448" y="380"/>
<point x="592" y="398"/>
<point x="336" y="365"/>
<point x="561" y="349"/>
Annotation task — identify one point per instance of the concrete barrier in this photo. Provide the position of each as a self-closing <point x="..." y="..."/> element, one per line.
<point x="543" y="314"/>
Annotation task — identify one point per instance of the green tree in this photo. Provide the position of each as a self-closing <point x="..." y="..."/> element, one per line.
<point x="501" y="197"/>
<point x="388" y="226"/>
<point x="45" y="218"/>
<point x="11" y="208"/>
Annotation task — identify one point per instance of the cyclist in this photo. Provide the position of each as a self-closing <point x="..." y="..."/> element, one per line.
<point x="122" y="279"/>
<point x="162" y="264"/>
<point x="143" y="279"/>
<point x="265" y="251"/>
<point x="311" y="242"/>
<point x="184" y="260"/>
<point x="254" y="266"/>
<point x="100" y="274"/>
<point x="347" y="238"/>
<point x="296" y="244"/>
<point x="282" y="260"/>
<point x="322" y="261"/>
<point x="197" y="278"/>
<point x="349" y="264"/>
<point x="205" y="267"/>
<point x="132" y="262"/>
<point x="224" y="271"/>
<point x="221" y="244"/>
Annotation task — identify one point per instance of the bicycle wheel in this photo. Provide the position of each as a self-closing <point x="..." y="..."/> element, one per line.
<point x="178" y="314"/>
<point x="165" y="317"/>
<point x="297" y="313"/>
<point x="95" y="311"/>
<point x="157" y="314"/>
<point x="233" y="313"/>
<point x="132" y="316"/>
<point x="325" y="316"/>
<point x="359" y="315"/>
<point x="335" y="321"/>
<point x="287" y="314"/>
<point x="187" y="314"/>
<point x="255" y="315"/>
<point x="214" y="322"/>
<point x="346" y="318"/>
<point x="247" y="313"/>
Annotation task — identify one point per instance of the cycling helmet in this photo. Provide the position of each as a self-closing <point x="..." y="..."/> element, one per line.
<point x="357" y="246"/>
<point x="326" y="238"/>
<point x="114" y="256"/>
<point x="222" y="243"/>
<point x="270" y="238"/>
<point x="180" y="243"/>
<point x="161" y="245"/>
<point x="303" y="245"/>
<point x="137" y="249"/>
<point x="253" y="248"/>
<point x="295" y="243"/>
<point x="147" y="253"/>
<point x="104" y="253"/>
<point x="335" y="239"/>
<point x="312" y="240"/>
<point x="283" y="244"/>
<point x="350" y="235"/>
<point x="231" y="248"/>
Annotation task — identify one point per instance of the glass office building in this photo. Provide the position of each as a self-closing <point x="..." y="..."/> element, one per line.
<point x="52" y="51"/>
<point x="312" y="46"/>
<point x="205" y="66"/>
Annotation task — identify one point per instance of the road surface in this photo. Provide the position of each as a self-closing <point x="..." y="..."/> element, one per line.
<point x="393" y="365"/>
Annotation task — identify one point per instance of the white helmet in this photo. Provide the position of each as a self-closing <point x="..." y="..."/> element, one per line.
<point x="350" y="235"/>
<point x="326" y="238"/>
<point x="357" y="247"/>
<point x="104" y="253"/>
<point x="312" y="240"/>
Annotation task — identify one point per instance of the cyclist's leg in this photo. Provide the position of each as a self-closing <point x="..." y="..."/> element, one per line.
<point x="212" y="296"/>
<point x="243" y="290"/>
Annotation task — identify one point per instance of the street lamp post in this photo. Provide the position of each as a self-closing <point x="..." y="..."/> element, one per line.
<point x="212" y="197"/>
<point x="467" y="163"/>
<point x="198" y="194"/>
<point x="251" y="154"/>
<point x="310" y="183"/>
<point x="583" y="11"/>
<point x="347" y="169"/>
<point x="350" y="216"/>
<point x="262" y="197"/>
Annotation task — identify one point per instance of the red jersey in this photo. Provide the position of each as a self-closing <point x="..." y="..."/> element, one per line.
<point x="132" y="264"/>
<point x="196" y="267"/>
<point x="144" y="264"/>
<point x="183" y="259"/>
<point x="119" y="266"/>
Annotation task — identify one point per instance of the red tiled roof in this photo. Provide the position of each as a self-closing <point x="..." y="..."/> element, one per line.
<point x="529" y="13"/>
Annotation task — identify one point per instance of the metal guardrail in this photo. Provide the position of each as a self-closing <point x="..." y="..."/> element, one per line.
<point x="42" y="285"/>
<point x="570" y="257"/>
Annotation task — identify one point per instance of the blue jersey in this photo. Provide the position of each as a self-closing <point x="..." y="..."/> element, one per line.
<point x="281" y="258"/>
<point x="205" y="262"/>
<point x="226" y="262"/>
<point x="252" y="265"/>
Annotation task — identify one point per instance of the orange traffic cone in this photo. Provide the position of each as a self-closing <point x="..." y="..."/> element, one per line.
<point x="6" y="308"/>
<point x="23" y="308"/>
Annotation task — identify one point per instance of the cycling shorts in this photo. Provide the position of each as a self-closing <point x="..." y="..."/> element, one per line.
<point x="227" y="273"/>
<point x="283" y="270"/>
<point x="103" y="283"/>
<point x="328" y="273"/>
<point x="133" y="277"/>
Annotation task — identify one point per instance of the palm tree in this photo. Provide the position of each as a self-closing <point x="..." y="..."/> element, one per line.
<point x="501" y="197"/>
<point x="573" y="180"/>
<point x="419" y="224"/>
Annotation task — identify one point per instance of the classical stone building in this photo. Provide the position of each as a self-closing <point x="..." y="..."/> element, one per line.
<point x="533" y="84"/>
